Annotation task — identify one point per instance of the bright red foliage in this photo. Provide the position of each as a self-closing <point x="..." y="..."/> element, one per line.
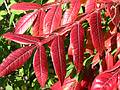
<point x="96" y="32"/>
<point x="52" y="19"/>
<point x="90" y="49"/>
<point x="58" y="57"/>
<point x="76" y="42"/>
<point x="40" y="65"/>
<point x="15" y="60"/>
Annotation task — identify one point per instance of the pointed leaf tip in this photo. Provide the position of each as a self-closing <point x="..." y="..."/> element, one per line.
<point x="15" y="60"/>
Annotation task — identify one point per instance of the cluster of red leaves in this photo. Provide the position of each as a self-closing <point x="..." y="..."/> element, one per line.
<point x="51" y="26"/>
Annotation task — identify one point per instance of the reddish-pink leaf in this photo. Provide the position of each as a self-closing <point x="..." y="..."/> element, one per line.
<point x="109" y="60"/>
<point x="37" y="29"/>
<point x="108" y="80"/>
<point x="118" y="40"/>
<point x="20" y="38"/>
<point x="70" y="55"/>
<point x="69" y="84"/>
<point x="76" y="41"/>
<point x="105" y="1"/>
<point x="58" y="57"/>
<point x="114" y="11"/>
<point x="90" y="6"/>
<point x="25" y="22"/>
<point x="110" y="43"/>
<point x="40" y="65"/>
<point x="57" y="86"/>
<point x="89" y="44"/>
<point x="52" y="19"/>
<point x="95" y="60"/>
<point x="116" y="54"/>
<point x="15" y="60"/>
<point x="96" y="32"/>
<point x="25" y="6"/>
<point x="71" y="14"/>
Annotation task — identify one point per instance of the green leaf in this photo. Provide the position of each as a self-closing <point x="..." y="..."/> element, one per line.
<point x="8" y="87"/>
<point x="1" y="2"/>
<point x="11" y="19"/>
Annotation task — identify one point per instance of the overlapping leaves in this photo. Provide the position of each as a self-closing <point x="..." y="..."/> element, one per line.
<point x="48" y="26"/>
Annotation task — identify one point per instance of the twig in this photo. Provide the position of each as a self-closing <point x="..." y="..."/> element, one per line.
<point x="8" y="10"/>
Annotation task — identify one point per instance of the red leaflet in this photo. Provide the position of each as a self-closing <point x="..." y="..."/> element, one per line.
<point x="40" y="65"/>
<point x="105" y="1"/>
<point x="90" y="6"/>
<point x="114" y="11"/>
<point x="15" y="60"/>
<point x="89" y="44"/>
<point x="109" y="60"/>
<point x="76" y="41"/>
<point x="96" y="32"/>
<point x="95" y="60"/>
<point x="71" y="14"/>
<point x="111" y="43"/>
<point x="108" y="80"/>
<point x="25" y="22"/>
<point x="116" y="54"/>
<point x="58" y="57"/>
<point x="52" y="19"/>
<point x="20" y="38"/>
<point x="70" y="55"/>
<point x="37" y="29"/>
<point x="25" y="6"/>
<point x="69" y="84"/>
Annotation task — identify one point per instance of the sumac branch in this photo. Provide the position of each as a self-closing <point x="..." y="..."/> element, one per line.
<point x="90" y="49"/>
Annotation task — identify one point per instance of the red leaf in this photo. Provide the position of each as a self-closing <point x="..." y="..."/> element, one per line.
<point x="116" y="54"/>
<point x="71" y="14"/>
<point x="20" y="38"/>
<point x="95" y="60"/>
<point x="25" y="22"/>
<point x="15" y="60"/>
<point x="58" y="57"/>
<point x="70" y="55"/>
<point x="108" y="80"/>
<point x="114" y="13"/>
<point x="96" y="32"/>
<point x="40" y="65"/>
<point x="111" y="42"/>
<point x="105" y="1"/>
<point x="25" y="6"/>
<point x="90" y="6"/>
<point x="109" y="60"/>
<point x="37" y="28"/>
<point x="76" y="41"/>
<point x="89" y="44"/>
<point x="52" y="19"/>
<point x="69" y="84"/>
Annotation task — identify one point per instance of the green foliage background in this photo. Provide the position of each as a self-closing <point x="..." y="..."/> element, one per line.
<point x="23" y="78"/>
